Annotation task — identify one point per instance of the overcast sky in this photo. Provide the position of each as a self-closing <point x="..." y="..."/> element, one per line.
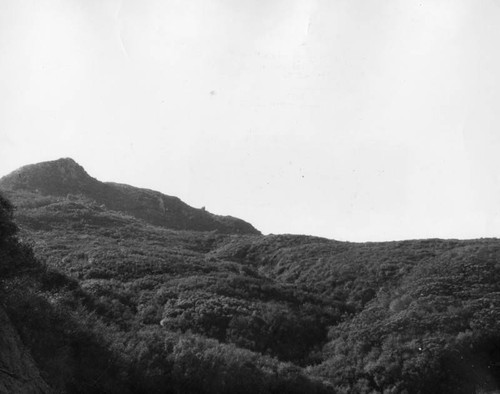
<point x="354" y="120"/>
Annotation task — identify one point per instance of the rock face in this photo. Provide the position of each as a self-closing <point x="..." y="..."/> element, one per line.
<point x="66" y="178"/>
<point x="18" y="372"/>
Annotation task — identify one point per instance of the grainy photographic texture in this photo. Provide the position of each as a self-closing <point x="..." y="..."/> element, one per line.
<point x="279" y="196"/>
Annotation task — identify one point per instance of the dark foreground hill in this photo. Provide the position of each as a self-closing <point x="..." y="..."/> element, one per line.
<point x="110" y="303"/>
<point x="67" y="179"/>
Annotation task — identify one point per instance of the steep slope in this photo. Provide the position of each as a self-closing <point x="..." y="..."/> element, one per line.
<point x="66" y="179"/>
<point x="213" y="312"/>
<point x="144" y="309"/>
<point x="39" y="340"/>
<point x="162" y="274"/>
<point x="417" y="316"/>
<point x="18" y="371"/>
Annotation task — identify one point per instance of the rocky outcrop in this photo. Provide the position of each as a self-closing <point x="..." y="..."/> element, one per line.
<point x="18" y="372"/>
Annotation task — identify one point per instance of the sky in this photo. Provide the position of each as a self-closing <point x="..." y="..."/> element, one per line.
<point x="353" y="120"/>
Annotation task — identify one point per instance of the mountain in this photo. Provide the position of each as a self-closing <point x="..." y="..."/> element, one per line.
<point x="104" y="300"/>
<point x="67" y="179"/>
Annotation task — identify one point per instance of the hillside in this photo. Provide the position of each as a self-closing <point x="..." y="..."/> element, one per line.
<point x="163" y="310"/>
<point x="66" y="179"/>
<point x="18" y="371"/>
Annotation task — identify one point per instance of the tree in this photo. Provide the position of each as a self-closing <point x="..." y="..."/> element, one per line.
<point x="7" y="227"/>
<point x="13" y="254"/>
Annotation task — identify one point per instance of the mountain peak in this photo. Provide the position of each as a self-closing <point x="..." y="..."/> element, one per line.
<point x="69" y="167"/>
<point x="65" y="177"/>
<point x="68" y="161"/>
<point x="57" y="177"/>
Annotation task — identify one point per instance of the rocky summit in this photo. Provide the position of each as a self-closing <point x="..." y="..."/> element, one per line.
<point x="66" y="179"/>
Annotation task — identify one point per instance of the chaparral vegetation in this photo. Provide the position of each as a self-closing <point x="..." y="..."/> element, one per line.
<point x="114" y="289"/>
